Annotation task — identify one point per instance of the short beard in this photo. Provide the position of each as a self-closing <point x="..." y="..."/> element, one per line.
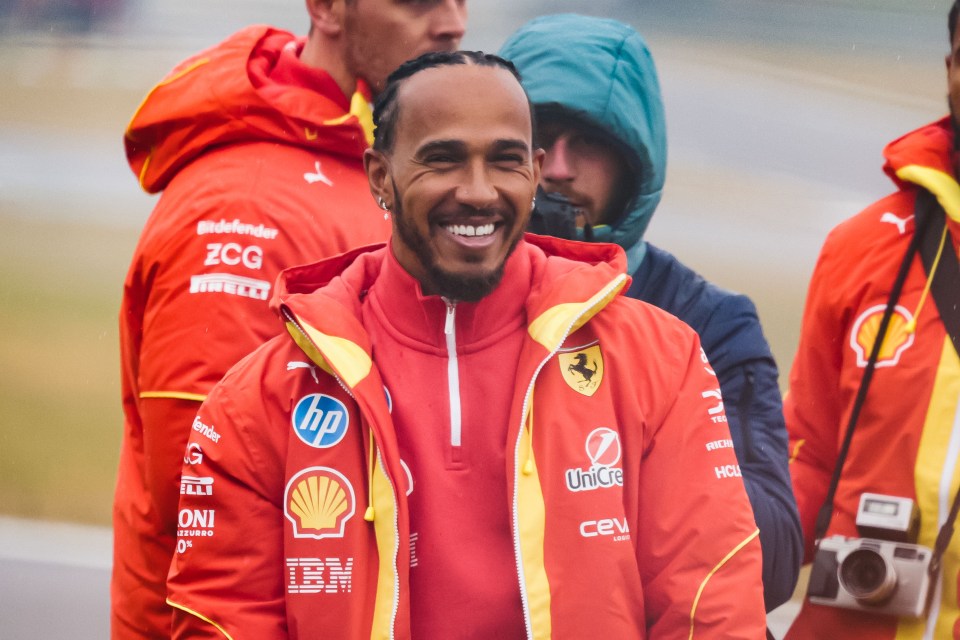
<point x="452" y="286"/>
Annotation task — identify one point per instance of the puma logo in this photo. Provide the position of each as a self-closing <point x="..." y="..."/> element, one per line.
<point x="317" y="176"/>
<point x="304" y="365"/>
<point x="901" y="223"/>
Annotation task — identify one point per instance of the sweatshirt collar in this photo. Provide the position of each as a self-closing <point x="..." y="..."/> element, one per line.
<point x="399" y="303"/>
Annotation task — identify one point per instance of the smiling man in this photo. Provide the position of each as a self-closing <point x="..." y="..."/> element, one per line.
<point x="470" y="434"/>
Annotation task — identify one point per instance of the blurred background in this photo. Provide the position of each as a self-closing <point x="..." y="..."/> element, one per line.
<point x="777" y="112"/>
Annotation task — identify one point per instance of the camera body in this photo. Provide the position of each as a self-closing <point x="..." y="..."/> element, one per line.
<point x="884" y="573"/>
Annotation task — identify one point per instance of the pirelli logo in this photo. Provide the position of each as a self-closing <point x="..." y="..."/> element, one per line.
<point x="230" y="284"/>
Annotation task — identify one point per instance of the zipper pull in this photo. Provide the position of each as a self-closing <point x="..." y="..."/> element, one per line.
<point x="451" y="312"/>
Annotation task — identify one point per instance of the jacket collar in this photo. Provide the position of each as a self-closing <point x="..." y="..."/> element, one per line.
<point x="322" y="303"/>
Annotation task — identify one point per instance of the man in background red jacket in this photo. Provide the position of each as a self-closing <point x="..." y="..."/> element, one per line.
<point x="903" y="453"/>
<point x="256" y="145"/>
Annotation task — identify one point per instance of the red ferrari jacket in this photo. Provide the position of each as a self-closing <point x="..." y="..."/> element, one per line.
<point x="626" y="510"/>
<point x="259" y="162"/>
<point x="907" y="439"/>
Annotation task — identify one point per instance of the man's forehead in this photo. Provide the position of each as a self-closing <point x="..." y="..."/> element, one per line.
<point x="453" y="86"/>
<point x="452" y="96"/>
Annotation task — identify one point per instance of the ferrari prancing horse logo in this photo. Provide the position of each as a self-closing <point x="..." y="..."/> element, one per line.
<point x="582" y="369"/>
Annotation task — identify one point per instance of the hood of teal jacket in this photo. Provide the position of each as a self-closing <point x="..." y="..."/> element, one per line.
<point x="601" y="70"/>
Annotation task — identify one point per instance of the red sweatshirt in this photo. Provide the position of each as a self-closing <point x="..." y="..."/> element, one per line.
<point x="453" y="443"/>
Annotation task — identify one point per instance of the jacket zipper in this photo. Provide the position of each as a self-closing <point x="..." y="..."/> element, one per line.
<point x="518" y="554"/>
<point x="453" y="379"/>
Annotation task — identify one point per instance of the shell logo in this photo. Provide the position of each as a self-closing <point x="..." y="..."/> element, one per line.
<point x="895" y="342"/>
<point x="319" y="501"/>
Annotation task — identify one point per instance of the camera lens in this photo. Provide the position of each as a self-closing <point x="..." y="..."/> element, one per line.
<point x="867" y="576"/>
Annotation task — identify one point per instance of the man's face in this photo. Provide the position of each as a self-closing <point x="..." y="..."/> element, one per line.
<point x="460" y="177"/>
<point x="582" y="165"/>
<point x="380" y="35"/>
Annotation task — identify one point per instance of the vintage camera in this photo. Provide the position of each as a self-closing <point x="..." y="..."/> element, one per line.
<point x="556" y="216"/>
<point x="882" y="572"/>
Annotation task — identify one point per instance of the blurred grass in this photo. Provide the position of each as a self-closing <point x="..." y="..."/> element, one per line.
<point x="60" y="417"/>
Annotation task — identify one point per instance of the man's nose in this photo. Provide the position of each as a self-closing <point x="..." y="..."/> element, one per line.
<point x="450" y="22"/>
<point x="477" y="189"/>
<point x="557" y="166"/>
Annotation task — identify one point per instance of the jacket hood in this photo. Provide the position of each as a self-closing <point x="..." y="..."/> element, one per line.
<point x="925" y="158"/>
<point x="226" y="95"/>
<point x="602" y="71"/>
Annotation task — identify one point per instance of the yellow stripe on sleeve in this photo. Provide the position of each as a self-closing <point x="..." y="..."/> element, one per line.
<point x="703" y="585"/>
<point x="202" y="617"/>
<point x="176" y="395"/>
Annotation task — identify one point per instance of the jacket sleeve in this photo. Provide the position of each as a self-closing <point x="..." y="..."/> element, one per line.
<point x="226" y="577"/>
<point x="699" y="550"/>
<point x="812" y="405"/>
<point x="166" y="428"/>
<point x="751" y="395"/>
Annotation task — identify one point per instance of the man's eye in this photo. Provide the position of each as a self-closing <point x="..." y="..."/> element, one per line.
<point x="511" y="158"/>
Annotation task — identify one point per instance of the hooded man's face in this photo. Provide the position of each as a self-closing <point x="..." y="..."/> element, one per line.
<point x="460" y="177"/>
<point x="583" y="165"/>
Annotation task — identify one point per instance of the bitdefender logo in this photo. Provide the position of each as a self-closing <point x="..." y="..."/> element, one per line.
<point x="603" y="451"/>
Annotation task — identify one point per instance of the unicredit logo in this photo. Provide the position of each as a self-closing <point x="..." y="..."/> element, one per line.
<point x="603" y="452"/>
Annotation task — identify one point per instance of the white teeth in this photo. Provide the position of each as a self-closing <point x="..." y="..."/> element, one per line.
<point x="470" y="230"/>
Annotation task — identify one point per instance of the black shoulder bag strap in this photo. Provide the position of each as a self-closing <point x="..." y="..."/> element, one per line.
<point x="940" y="263"/>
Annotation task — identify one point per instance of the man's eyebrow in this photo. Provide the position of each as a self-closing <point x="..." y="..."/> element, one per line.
<point x="441" y="145"/>
<point x="459" y="146"/>
<point x="511" y="144"/>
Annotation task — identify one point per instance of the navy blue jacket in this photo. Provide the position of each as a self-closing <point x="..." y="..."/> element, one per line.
<point x="731" y="336"/>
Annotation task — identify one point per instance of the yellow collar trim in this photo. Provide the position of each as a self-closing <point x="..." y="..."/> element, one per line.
<point x="552" y="326"/>
<point x="359" y="109"/>
<point x="942" y="185"/>
<point x="352" y="363"/>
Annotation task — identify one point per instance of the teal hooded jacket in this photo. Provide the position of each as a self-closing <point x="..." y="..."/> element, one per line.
<point x="604" y="74"/>
<point x="601" y="71"/>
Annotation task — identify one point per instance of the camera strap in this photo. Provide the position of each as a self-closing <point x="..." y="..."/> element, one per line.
<point x="826" y="511"/>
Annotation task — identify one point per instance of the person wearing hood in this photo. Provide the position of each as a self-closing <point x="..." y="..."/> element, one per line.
<point x="256" y="148"/>
<point x="594" y="88"/>
<point x="467" y="432"/>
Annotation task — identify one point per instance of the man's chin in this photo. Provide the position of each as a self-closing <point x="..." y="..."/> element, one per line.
<point x="470" y="287"/>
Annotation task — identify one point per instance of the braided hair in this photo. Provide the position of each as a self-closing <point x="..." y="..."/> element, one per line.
<point x="386" y="109"/>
